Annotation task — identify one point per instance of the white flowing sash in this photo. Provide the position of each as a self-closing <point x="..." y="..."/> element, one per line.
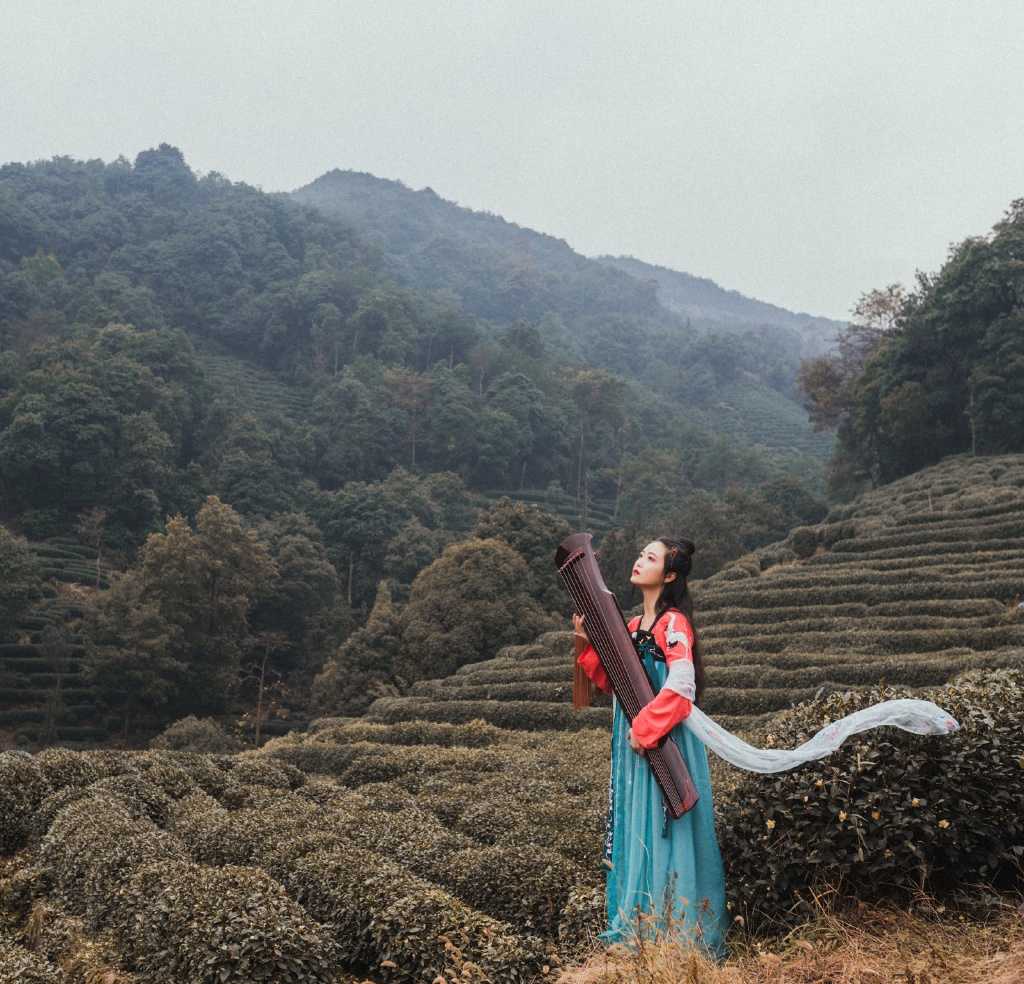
<point x="920" y="717"/>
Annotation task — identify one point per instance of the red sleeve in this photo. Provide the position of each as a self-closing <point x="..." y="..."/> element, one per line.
<point x="659" y="717"/>
<point x="591" y="664"/>
<point x="675" y="637"/>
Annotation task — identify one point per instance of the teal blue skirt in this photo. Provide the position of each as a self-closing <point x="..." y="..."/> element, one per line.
<point x="668" y="870"/>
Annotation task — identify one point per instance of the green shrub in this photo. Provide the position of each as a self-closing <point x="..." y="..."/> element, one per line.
<point x="833" y="533"/>
<point x="191" y="734"/>
<point x="23" y="786"/>
<point x="415" y="763"/>
<point x="93" y="847"/>
<point x="64" y="767"/>
<point x="525" y="690"/>
<point x="525" y="887"/>
<point x="152" y="800"/>
<point x="885" y="812"/>
<point x="585" y="916"/>
<point x="262" y="772"/>
<point x="384" y="917"/>
<point x="179" y="921"/>
<point x="270" y="835"/>
<point x="804" y="541"/>
<point x="475" y="734"/>
<point x="518" y="715"/>
<point x="555" y="671"/>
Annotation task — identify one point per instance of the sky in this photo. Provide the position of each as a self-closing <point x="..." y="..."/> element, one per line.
<point x="802" y="153"/>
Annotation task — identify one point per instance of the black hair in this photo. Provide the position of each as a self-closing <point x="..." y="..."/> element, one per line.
<point x="676" y="594"/>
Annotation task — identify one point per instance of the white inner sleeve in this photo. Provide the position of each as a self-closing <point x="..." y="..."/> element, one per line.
<point x="680" y="679"/>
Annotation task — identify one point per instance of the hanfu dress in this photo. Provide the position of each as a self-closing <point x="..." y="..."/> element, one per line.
<point x="657" y="865"/>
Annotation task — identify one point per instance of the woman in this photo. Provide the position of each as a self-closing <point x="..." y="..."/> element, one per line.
<point x="657" y="865"/>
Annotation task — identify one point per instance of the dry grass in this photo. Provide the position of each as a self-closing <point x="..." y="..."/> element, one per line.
<point x="863" y="946"/>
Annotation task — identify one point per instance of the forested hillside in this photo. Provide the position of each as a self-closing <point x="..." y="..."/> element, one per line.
<point x="193" y="372"/>
<point x="937" y="371"/>
<point x="595" y="312"/>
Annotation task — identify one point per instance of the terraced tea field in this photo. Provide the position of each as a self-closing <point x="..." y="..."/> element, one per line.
<point x="912" y="583"/>
<point x="43" y="692"/>
<point x="254" y="390"/>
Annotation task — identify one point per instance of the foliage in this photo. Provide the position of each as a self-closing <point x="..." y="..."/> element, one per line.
<point x="191" y="734"/>
<point x="935" y="374"/>
<point x="471" y="601"/>
<point x="367" y="664"/>
<point x="23" y="786"/>
<point x="103" y="419"/>
<point x="19" y="578"/>
<point x="533" y="535"/>
<point x="888" y="811"/>
<point x="172" y="631"/>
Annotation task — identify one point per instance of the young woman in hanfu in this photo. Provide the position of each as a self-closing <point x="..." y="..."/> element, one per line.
<point x="662" y="867"/>
<point x="656" y="865"/>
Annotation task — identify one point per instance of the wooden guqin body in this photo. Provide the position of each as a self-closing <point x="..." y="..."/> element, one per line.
<point x="609" y="635"/>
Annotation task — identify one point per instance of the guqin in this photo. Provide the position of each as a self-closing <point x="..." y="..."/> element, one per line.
<point x="609" y="635"/>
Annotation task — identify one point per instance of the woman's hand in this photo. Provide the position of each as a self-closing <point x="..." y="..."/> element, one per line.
<point x="579" y="631"/>
<point x="634" y="743"/>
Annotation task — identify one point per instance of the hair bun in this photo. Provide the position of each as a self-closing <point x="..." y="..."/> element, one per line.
<point x="688" y="543"/>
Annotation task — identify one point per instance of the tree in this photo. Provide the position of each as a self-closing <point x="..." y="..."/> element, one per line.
<point x="653" y="482"/>
<point x="258" y="669"/>
<point x="465" y="606"/>
<point x="132" y="651"/>
<point x="19" y="579"/>
<point x="827" y="381"/>
<point x="367" y="664"/>
<point x="599" y="398"/>
<point x="410" y="392"/>
<point x="616" y="556"/>
<point x="205" y="583"/>
<point x="359" y="435"/>
<point x="92" y="524"/>
<point x="535" y="536"/>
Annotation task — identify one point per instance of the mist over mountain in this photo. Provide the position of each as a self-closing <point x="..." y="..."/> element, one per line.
<point x="501" y="270"/>
<point x="709" y="306"/>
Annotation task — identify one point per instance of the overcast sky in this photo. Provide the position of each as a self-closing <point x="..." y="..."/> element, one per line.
<point x="799" y="152"/>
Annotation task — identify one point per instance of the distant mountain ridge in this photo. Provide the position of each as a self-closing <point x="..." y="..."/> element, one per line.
<point x="702" y="300"/>
<point x="414" y="227"/>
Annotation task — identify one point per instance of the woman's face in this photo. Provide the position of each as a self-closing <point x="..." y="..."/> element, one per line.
<point x="649" y="568"/>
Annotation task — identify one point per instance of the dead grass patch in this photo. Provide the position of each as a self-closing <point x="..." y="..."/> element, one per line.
<point x="864" y="945"/>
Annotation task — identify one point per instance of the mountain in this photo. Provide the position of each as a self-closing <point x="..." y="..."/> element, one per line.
<point x="734" y="375"/>
<point x="709" y="306"/>
<point x="435" y="244"/>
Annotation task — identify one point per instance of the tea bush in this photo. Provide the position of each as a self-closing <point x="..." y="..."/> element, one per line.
<point x="179" y="921"/>
<point x="526" y="886"/>
<point x="583" y="918"/>
<point x="23" y="786"/>
<point x="19" y="965"/>
<point x="476" y="734"/>
<point x="382" y="916"/>
<point x="93" y="846"/>
<point x="886" y="811"/>
<point x="274" y="775"/>
<point x="64" y="767"/>
<point x="191" y="734"/>
<point x="525" y="690"/>
<point x="519" y="715"/>
<point x="804" y="541"/>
